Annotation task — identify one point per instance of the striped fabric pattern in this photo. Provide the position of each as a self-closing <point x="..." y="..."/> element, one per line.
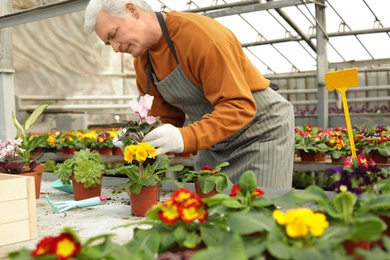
<point x="265" y="145"/>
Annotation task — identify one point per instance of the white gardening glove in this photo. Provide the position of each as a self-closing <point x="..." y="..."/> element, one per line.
<point x="116" y="142"/>
<point x="165" y="138"/>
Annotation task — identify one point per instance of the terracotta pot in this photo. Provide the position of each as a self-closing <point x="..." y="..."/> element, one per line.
<point x="321" y="157"/>
<point x="82" y="193"/>
<point x="68" y="150"/>
<point x="104" y="151"/>
<point x="142" y="202"/>
<point x="117" y="151"/>
<point x="378" y="158"/>
<point x="37" y="174"/>
<point x="308" y="157"/>
<point x="351" y="246"/>
<point x="339" y="160"/>
<point x="200" y="193"/>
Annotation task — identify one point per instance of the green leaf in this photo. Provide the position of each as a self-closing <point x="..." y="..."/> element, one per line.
<point x="17" y="124"/>
<point x="34" y="116"/>
<point x="206" y="183"/>
<point x="312" y="193"/>
<point x="367" y="228"/>
<point x="343" y="203"/>
<point x="221" y="182"/>
<point x="211" y="234"/>
<point x="232" y="248"/>
<point x="144" y="243"/>
<point x="248" y="182"/>
<point x="250" y="222"/>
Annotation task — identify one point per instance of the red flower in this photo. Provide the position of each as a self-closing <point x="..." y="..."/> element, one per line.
<point x="63" y="246"/>
<point x="236" y="189"/>
<point x="184" y="205"/>
<point x="257" y="192"/>
<point x="43" y="246"/>
<point x="207" y="168"/>
<point x="103" y="137"/>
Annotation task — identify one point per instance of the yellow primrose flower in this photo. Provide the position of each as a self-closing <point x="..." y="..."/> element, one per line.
<point x="129" y="153"/>
<point x="301" y="222"/>
<point x="141" y="155"/>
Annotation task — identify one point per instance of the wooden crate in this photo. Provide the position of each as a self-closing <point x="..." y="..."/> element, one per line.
<point x="18" y="217"/>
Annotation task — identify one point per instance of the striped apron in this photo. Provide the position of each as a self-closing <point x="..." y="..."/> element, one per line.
<point x="264" y="146"/>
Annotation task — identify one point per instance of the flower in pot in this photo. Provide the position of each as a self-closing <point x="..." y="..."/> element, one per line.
<point x="307" y="140"/>
<point x="336" y="144"/>
<point x="103" y="141"/>
<point x="357" y="175"/>
<point x="377" y="140"/>
<point x="85" y="167"/>
<point x="145" y="171"/>
<point x="178" y="221"/>
<point x="144" y="168"/>
<point x="135" y="130"/>
<point x="244" y="196"/>
<point x="69" y="142"/>
<point x="355" y="217"/>
<point x="51" y="142"/>
<point x="209" y="179"/>
<point x="15" y="155"/>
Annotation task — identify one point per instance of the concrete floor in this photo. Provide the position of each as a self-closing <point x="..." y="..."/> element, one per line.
<point x="87" y="222"/>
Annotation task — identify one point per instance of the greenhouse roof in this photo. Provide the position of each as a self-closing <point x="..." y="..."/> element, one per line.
<point x="279" y="36"/>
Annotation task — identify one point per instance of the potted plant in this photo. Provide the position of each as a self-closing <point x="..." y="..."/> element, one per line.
<point x="135" y="130"/>
<point x="357" y="175"/>
<point x="51" y="142"/>
<point x="145" y="171"/>
<point x="209" y="180"/>
<point x="69" y="142"/>
<point x="187" y="222"/>
<point x="377" y="143"/>
<point x="85" y="171"/>
<point x="307" y="140"/>
<point x="355" y="216"/>
<point x="103" y="143"/>
<point x="15" y="155"/>
<point x="336" y="144"/>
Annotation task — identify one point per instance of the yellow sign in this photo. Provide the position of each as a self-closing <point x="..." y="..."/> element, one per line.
<point x="341" y="79"/>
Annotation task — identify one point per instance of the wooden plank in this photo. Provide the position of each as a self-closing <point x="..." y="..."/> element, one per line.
<point x="18" y="218"/>
<point x="13" y="187"/>
<point x="15" y="210"/>
<point x="15" y="232"/>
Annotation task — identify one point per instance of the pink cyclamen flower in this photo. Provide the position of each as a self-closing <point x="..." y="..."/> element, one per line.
<point x="141" y="108"/>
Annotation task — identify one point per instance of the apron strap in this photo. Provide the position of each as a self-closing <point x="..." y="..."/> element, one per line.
<point x="164" y="29"/>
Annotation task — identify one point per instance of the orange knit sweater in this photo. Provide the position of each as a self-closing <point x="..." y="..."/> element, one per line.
<point x="212" y="58"/>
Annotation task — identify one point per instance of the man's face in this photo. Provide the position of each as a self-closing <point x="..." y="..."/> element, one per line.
<point x="126" y="35"/>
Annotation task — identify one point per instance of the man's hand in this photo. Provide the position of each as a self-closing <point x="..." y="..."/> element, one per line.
<point x="165" y="138"/>
<point x="116" y="142"/>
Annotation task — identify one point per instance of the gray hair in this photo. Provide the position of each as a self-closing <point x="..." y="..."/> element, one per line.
<point x="115" y="8"/>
